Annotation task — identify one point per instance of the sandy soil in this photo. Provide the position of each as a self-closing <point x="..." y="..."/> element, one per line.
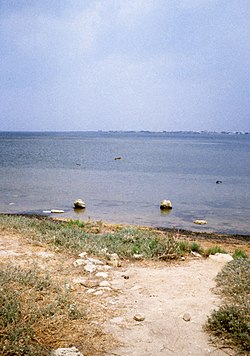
<point x="162" y="294"/>
<point x="166" y="296"/>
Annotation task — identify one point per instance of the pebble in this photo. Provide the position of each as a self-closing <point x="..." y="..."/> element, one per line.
<point x="139" y="317"/>
<point x="82" y="254"/>
<point x="90" y="291"/>
<point x="89" y="267"/>
<point x="79" y="262"/>
<point x="98" y="293"/>
<point x="104" y="284"/>
<point x="102" y="275"/>
<point x="187" y="317"/>
<point x="137" y="256"/>
<point x="94" y="261"/>
<point x="67" y="351"/>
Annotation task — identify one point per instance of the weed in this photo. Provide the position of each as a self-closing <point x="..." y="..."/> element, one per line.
<point x="239" y="254"/>
<point x="195" y="247"/>
<point x="213" y="250"/>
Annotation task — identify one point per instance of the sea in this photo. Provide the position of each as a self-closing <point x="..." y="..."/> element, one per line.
<point x="123" y="176"/>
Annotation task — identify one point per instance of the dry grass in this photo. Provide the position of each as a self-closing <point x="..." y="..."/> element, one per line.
<point x="38" y="315"/>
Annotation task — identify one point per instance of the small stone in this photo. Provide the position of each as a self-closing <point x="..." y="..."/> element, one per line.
<point x="115" y="260"/>
<point x="90" y="291"/>
<point x="89" y="267"/>
<point x="138" y="256"/>
<point x="102" y="275"/>
<point x="98" y="293"/>
<point x="186" y="317"/>
<point x="94" y="261"/>
<point x="139" y="317"/>
<point x="83" y="254"/>
<point x="200" y="222"/>
<point x="69" y="351"/>
<point x="79" y="262"/>
<point x="196" y="254"/>
<point x="104" y="284"/>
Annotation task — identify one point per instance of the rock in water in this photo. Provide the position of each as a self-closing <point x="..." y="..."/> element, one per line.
<point x="79" y="204"/>
<point x="57" y="211"/>
<point x="165" y="204"/>
<point x="200" y="222"/>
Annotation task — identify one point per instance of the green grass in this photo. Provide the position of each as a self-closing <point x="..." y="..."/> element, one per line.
<point x="231" y="322"/>
<point x="213" y="250"/>
<point x="239" y="254"/>
<point x="92" y="237"/>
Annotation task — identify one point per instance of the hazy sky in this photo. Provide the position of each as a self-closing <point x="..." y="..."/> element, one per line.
<point x="125" y="65"/>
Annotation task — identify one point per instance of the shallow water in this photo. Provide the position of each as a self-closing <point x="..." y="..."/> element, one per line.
<point x="44" y="171"/>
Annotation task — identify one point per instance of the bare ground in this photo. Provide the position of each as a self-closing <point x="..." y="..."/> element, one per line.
<point x="162" y="294"/>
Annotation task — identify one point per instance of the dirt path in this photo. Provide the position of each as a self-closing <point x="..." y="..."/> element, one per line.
<point x="162" y="294"/>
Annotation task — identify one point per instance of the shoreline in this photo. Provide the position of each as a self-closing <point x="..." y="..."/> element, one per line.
<point x="202" y="235"/>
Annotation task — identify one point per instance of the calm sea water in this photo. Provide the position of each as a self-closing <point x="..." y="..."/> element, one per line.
<point x="44" y="171"/>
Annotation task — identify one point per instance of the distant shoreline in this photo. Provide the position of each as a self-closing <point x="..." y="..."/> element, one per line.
<point x="163" y="132"/>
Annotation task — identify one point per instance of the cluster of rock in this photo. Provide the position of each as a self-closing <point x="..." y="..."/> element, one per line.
<point x="98" y="270"/>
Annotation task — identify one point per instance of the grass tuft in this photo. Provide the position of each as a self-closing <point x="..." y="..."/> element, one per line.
<point x="231" y="322"/>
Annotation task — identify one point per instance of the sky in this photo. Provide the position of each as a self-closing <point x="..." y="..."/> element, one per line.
<point x="80" y="65"/>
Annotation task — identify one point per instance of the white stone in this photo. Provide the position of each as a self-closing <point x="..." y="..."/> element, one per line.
<point x="98" y="293"/>
<point x="89" y="267"/>
<point x="67" y="351"/>
<point x="200" y="222"/>
<point x="104" y="284"/>
<point x="221" y="257"/>
<point x="57" y="211"/>
<point x="90" y="291"/>
<point x="79" y="262"/>
<point x="166" y="204"/>
<point x="94" y="261"/>
<point x="79" y="204"/>
<point x="102" y="275"/>
<point x="83" y="254"/>
<point x="138" y="256"/>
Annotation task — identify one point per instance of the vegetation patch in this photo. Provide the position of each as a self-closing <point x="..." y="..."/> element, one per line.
<point x="32" y="307"/>
<point x="231" y="322"/>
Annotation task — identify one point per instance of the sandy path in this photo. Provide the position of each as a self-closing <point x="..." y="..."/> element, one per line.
<point x="163" y="295"/>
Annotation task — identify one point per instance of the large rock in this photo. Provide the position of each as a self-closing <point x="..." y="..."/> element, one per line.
<point x="79" y="204"/>
<point x="165" y="205"/>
